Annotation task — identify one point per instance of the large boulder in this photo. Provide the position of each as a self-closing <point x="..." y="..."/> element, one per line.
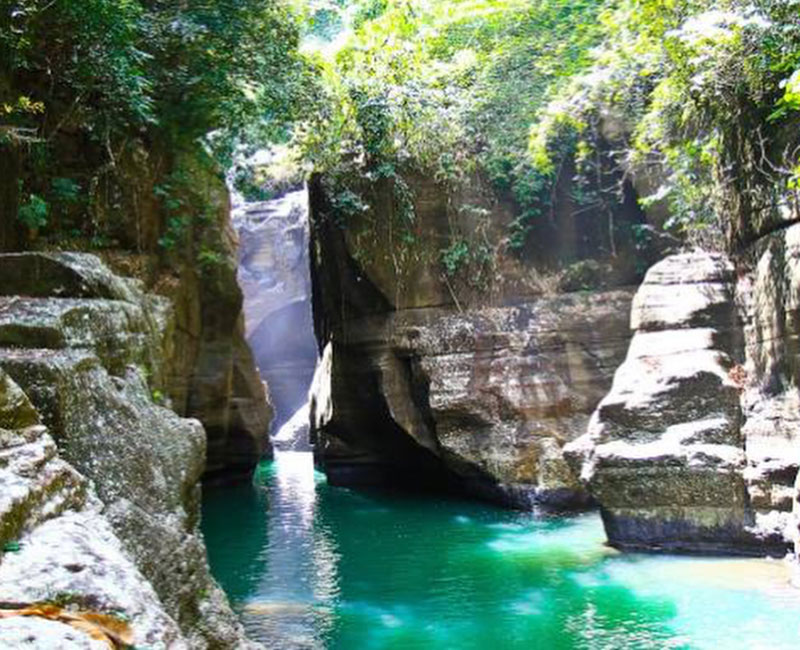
<point x="58" y="546"/>
<point x="193" y="351"/>
<point x="666" y="454"/>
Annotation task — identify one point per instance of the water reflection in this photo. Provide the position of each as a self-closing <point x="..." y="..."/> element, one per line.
<point x="337" y="569"/>
<point x="292" y="606"/>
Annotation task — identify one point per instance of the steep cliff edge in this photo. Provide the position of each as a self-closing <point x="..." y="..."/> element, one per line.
<point x="111" y="515"/>
<point x="695" y="447"/>
<point x="165" y="219"/>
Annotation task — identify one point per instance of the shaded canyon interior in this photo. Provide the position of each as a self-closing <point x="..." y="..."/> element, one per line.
<point x="529" y="258"/>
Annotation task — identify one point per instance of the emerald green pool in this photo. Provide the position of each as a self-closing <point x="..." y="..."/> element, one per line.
<point x="312" y="566"/>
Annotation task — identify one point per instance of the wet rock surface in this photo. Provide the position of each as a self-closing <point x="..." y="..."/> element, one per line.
<point x="117" y="486"/>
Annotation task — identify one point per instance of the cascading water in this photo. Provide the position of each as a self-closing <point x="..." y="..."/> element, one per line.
<point x="275" y="279"/>
<point x="299" y="576"/>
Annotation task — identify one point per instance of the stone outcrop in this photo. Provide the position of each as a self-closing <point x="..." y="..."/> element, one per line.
<point x="663" y="453"/>
<point x="90" y="350"/>
<point x="205" y="367"/>
<point x="695" y="447"/>
<point x="189" y="258"/>
<point x="487" y="398"/>
<point x="58" y="546"/>
<point x="769" y="295"/>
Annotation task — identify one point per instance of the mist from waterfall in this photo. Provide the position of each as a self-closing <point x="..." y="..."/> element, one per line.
<point x="274" y="274"/>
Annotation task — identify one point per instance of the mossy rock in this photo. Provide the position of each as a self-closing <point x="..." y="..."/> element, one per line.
<point x="16" y="410"/>
<point x="61" y="275"/>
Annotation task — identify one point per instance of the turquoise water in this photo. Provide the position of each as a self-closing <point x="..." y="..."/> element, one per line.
<point x="309" y="566"/>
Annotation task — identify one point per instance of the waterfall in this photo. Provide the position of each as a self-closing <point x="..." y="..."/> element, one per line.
<point x="291" y="610"/>
<point x="275" y="278"/>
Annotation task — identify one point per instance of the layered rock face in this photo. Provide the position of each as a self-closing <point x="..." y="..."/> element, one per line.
<point x="59" y="546"/>
<point x="274" y="276"/>
<point x="770" y="300"/>
<point x="190" y="259"/>
<point x="211" y="372"/>
<point x="488" y="397"/>
<point x="663" y="454"/>
<point x="477" y="391"/>
<point x="695" y="447"/>
<point x="81" y="343"/>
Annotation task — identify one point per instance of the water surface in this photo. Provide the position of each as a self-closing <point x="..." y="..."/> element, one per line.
<point x="309" y="566"/>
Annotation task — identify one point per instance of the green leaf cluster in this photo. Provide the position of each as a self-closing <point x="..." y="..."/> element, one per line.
<point x="703" y="97"/>
<point x="451" y="87"/>
<point x="190" y="68"/>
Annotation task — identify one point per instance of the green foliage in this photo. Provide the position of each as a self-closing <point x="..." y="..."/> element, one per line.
<point x="33" y="212"/>
<point x="456" y="256"/>
<point x="228" y="65"/>
<point x="706" y="93"/>
<point x="208" y="258"/>
<point x="85" y="82"/>
<point x="175" y="233"/>
<point x="369" y="10"/>
<point x="12" y="547"/>
<point x="65" y="190"/>
<point x="450" y="88"/>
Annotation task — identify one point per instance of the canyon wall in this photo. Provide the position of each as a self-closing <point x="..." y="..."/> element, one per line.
<point x="100" y="483"/>
<point x="507" y="394"/>
<point x="164" y="217"/>
<point x="696" y="448"/>
<point x="471" y="380"/>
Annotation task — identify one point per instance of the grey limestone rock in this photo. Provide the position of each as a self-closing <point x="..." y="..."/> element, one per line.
<point x="116" y="488"/>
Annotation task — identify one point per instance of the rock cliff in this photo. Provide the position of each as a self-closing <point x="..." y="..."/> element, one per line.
<point x="695" y="446"/>
<point x="431" y="379"/>
<point x="165" y="219"/>
<point x="102" y="498"/>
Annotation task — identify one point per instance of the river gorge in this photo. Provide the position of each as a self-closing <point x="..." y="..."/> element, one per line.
<point x="399" y="324"/>
<point x="311" y="566"/>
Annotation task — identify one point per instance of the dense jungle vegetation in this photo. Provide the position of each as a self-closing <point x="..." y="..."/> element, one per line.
<point x="697" y="100"/>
